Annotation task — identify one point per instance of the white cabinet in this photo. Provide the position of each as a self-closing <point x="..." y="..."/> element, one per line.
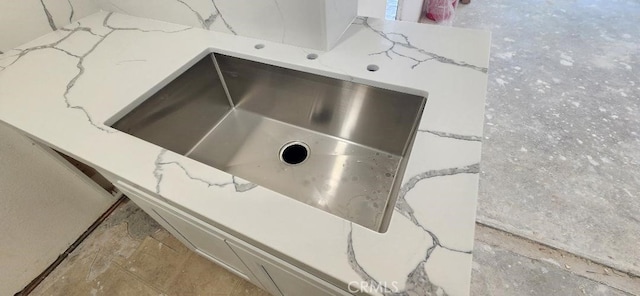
<point x="279" y="277"/>
<point x="203" y="240"/>
<point x="262" y="269"/>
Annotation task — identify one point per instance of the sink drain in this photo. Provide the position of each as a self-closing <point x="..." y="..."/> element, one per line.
<point x="294" y="152"/>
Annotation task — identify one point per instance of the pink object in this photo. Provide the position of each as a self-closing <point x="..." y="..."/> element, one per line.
<point x="440" y="10"/>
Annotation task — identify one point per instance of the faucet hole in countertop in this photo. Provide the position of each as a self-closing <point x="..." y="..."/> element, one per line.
<point x="312" y="56"/>
<point x="259" y="46"/>
<point x="373" y="68"/>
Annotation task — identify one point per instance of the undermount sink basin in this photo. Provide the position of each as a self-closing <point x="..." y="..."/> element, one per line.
<point x="336" y="145"/>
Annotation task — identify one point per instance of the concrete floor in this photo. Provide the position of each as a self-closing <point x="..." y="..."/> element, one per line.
<point x="560" y="180"/>
<point x="561" y="154"/>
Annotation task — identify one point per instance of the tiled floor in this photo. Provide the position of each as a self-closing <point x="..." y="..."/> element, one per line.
<point x="129" y="254"/>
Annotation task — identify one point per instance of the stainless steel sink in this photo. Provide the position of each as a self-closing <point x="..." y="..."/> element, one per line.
<point x="336" y="145"/>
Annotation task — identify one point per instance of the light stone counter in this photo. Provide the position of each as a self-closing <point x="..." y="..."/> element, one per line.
<point x="62" y="87"/>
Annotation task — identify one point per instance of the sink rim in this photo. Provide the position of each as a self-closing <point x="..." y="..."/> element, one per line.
<point x="264" y="60"/>
<point x="404" y="157"/>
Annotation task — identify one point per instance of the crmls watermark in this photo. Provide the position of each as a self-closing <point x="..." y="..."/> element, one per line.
<point x="380" y="287"/>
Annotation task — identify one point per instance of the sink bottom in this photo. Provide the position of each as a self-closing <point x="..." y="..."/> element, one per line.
<point x="346" y="179"/>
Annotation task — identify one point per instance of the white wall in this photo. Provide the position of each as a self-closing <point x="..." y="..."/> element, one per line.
<point x="409" y="10"/>
<point x="25" y="20"/>
<point x="372" y="8"/>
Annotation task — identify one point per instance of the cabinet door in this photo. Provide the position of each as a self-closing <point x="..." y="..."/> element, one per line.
<point x="281" y="278"/>
<point x="148" y="208"/>
<point x="194" y="234"/>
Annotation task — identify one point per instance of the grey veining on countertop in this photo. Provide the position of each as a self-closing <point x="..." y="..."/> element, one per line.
<point x="81" y="69"/>
<point x="401" y="46"/>
<point x="239" y="184"/>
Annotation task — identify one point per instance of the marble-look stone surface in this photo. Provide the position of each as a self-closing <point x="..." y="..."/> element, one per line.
<point x="22" y="21"/>
<point x="61" y="88"/>
<point x="562" y="130"/>
<point x="316" y="24"/>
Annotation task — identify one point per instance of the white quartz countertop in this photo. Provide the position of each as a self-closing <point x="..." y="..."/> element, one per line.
<point x="62" y="88"/>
